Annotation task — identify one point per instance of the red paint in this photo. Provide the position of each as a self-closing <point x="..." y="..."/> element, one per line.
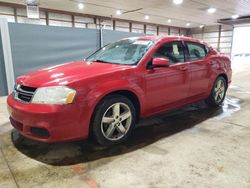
<point x="157" y="90"/>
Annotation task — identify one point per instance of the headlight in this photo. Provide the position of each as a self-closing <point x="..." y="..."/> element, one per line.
<point x="54" y="95"/>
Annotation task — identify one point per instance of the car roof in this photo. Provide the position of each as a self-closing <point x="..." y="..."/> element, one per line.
<point x="170" y="37"/>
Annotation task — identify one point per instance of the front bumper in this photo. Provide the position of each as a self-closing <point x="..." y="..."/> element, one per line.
<point x="48" y="123"/>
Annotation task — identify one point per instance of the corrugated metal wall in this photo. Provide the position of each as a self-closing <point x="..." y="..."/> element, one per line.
<point x="219" y="37"/>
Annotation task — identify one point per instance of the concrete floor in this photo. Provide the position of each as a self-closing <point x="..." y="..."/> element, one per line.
<point x="192" y="147"/>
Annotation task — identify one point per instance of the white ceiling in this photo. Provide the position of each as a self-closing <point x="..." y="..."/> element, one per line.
<point x="159" y="11"/>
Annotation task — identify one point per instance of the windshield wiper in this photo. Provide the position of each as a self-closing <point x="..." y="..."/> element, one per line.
<point x="101" y="61"/>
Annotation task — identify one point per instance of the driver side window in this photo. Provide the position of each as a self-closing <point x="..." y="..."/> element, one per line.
<point x="173" y="51"/>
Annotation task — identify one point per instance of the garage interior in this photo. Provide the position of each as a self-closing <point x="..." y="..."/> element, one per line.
<point x="194" y="146"/>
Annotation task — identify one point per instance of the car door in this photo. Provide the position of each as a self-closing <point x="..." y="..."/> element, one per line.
<point x="199" y="68"/>
<point x="167" y="85"/>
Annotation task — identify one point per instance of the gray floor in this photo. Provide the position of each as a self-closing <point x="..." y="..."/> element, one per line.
<point x="191" y="147"/>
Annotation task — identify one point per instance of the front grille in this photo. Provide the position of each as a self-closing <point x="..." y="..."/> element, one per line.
<point x="24" y="93"/>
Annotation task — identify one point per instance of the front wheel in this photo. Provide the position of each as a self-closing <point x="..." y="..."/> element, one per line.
<point x="113" y="120"/>
<point x="218" y="92"/>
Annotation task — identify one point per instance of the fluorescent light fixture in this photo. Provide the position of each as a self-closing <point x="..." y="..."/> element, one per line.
<point x="188" y="24"/>
<point x="201" y="26"/>
<point x="146" y="17"/>
<point x="211" y="10"/>
<point x="177" y="2"/>
<point x="118" y="12"/>
<point x="235" y="16"/>
<point x="80" y="5"/>
<point x="169" y="20"/>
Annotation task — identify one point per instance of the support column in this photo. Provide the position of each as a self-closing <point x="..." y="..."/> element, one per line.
<point x="218" y="45"/>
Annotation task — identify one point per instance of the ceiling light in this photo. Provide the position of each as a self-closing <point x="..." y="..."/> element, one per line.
<point x="188" y="24"/>
<point x="146" y="17"/>
<point x="169" y="20"/>
<point x="211" y="10"/>
<point x="235" y="16"/>
<point x="201" y="26"/>
<point x="177" y="2"/>
<point x="118" y="12"/>
<point x="80" y="5"/>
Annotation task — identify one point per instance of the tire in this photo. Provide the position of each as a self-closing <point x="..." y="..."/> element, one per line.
<point x="16" y="137"/>
<point x="113" y="120"/>
<point x="218" y="92"/>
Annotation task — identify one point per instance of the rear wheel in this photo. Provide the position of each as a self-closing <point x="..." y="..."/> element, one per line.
<point x="218" y="92"/>
<point x="113" y="120"/>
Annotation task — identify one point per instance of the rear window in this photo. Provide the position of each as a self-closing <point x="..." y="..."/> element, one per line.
<point x="196" y="51"/>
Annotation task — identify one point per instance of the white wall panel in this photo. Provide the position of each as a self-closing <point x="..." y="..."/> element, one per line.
<point x="210" y="40"/>
<point x="92" y="26"/>
<point x="163" y="32"/>
<point x="214" y="45"/>
<point x="107" y="24"/>
<point x="80" y="25"/>
<point x="122" y="26"/>
<point x="151" y="27"/>
<point x="174" y="31"/>
<point x="6" y="10"/>
<point x="226" y="39"/>
<point x="21" y="12"/>
<point x="225" y="50"/>
<point x="122" y="29"/>
<point x="31" y="21"/>
<point x="225" y="45"/>
<point x="149" y="32"/>
<point x="163" y="29"/>
<point x="183" y="32"/>
<point x="9" y="18"/>
<point x="57" y="16"/>
<point x="197" y="36"/>
<point x="137" y="28"/>
<point x="211" y="35"/>
<point x="227" y="33"/>
<point x="84" y="19"/>
<point x="60" y="23"/>
<point x="134" y="30"/>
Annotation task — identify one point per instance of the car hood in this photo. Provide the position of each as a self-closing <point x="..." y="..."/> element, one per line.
<point x="68" y="73"/>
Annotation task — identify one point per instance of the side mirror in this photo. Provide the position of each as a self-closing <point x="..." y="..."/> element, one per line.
<point x="160" y="62"/>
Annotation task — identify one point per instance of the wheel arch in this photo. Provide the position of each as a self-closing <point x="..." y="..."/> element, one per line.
<point x="126" y="93"/>
<point x="224" y="76"/>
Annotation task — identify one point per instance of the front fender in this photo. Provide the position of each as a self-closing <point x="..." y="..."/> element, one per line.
<point x="96" y="94"/>
<point x="103" y="89"/>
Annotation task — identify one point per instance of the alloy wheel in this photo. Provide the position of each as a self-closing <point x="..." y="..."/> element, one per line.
<point x="116" y="121"/>
<point x="219" y="91"/>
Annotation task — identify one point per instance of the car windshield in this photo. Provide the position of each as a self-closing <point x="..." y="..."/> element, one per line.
<point x="125" y="52"/>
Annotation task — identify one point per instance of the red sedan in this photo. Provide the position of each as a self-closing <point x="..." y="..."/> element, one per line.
<point x="106" y="94"/>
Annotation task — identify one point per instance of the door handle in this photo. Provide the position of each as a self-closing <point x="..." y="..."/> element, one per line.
<point x="211" y="63"/>
<point x="184" y="68"/>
